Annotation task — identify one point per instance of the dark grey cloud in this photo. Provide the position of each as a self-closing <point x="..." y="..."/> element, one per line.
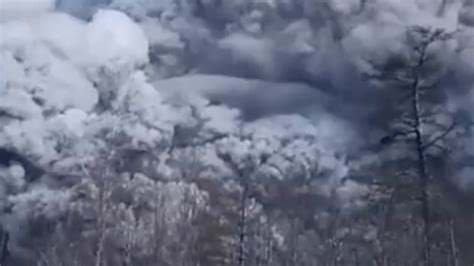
<point x="241" y="63"/>
<point x="83" y="9"/>
<point x="254" y="98"/>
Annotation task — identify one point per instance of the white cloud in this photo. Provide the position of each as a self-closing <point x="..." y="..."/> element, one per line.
<point x="23" y="8"/>
<point x="114" y="38"/>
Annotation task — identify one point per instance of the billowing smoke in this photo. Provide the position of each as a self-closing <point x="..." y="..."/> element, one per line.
<point x="249" y="78"/>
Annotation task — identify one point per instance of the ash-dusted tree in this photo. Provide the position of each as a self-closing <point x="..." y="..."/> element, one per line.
<point x="245" y="171"/>
<point x="420" y="125"/>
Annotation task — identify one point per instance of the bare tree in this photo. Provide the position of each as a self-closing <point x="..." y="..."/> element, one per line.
<point x="243" y="175"/>
<point x="98" y="173"/>
<point x="421" y="124"/>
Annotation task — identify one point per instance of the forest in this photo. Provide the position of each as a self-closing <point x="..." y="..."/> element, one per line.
<point x="236" y="132"/>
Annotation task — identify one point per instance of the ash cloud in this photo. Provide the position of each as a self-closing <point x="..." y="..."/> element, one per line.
<point x="254" y="73"/>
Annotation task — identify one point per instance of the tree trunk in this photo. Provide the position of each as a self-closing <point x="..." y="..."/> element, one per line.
<point x="101" y="225"/>
<point x="453" y="245"/>
<point x="421" y="160"/>
<point x="4" y="237"/>
<point x="242" y="223"/>
<point x="158" y="223"/>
